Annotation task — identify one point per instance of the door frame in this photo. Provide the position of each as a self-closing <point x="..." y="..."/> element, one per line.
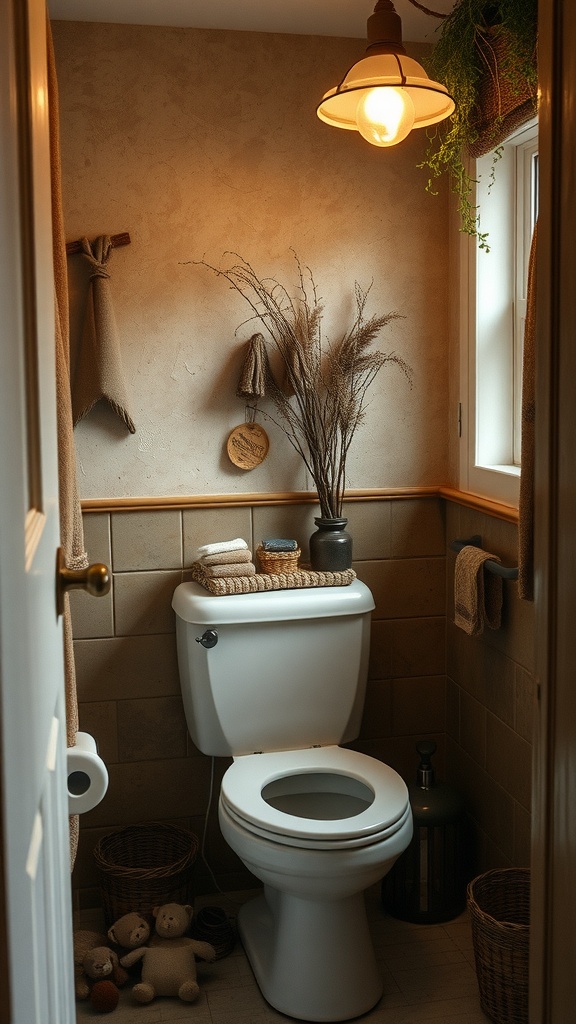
<point x="552" y="960"/>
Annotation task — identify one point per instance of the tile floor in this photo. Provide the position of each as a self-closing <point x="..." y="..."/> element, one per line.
<point x="428" y="973"/>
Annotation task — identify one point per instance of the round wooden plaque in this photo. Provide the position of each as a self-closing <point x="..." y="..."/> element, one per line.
<point x="247" y="445"/>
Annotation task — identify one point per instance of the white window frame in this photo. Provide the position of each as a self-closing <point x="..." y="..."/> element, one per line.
<point x="492" y="310"/>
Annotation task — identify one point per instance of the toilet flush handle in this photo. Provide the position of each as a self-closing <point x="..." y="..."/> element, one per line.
<point x="208" y="639"/>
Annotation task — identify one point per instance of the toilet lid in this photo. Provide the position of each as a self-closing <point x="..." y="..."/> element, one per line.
<point x="322" y="796"/>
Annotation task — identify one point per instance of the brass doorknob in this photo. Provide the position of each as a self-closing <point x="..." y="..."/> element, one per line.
<point x="95" y="579"/>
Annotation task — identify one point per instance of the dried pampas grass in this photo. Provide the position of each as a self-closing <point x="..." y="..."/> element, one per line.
<point x="320" y="396"/>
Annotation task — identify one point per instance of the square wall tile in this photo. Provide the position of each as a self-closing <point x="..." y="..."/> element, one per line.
<point x="418" y="705"/>
<point x="146" y="540"/>
<point x="91" y="616"/>
<point x="509" y="760"/>
<point x="453" y="710"/>
<point x="99" y="719"/>
<point x="151" y="729"/>
<point x="522" y="836"/>
<point x="127" y="667"/>
<point x="525" y="704"/>
<point x="473" y="727"/>
<point x="369" y="527"/>
<point x="210" y="525"/>
<point x="96" y="527"/>
<point x="380" y="650"/>
<point x="143" y="602"/>
<point x="377" y="717"/>
<point x="418" y="646"/>
<point x="488" y="803"/>
<point x="417" y="528"/>
<point x="405" y="588"/>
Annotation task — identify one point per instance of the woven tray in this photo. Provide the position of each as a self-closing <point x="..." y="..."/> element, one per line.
<point x="266" y="581"/>
<point x="499" y="905"/>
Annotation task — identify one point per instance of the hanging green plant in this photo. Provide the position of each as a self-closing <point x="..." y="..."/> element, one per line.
<point x="486" y="57"/>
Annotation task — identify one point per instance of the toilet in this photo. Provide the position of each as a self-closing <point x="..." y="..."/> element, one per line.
<point x="277" y="680"/>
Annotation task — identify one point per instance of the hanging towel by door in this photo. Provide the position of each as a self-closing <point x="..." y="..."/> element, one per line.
<point x="97" y="368"/>
<point x="477" y="594"/>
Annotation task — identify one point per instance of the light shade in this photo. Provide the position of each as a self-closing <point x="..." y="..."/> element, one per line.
<point x="385" y="66"/>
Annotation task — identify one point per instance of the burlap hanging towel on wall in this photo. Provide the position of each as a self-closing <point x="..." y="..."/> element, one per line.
<point x="71" y="529"/>
<point x="97" y="368"/>
<point x="252" y="382"/>
<point x="477" y="595"/>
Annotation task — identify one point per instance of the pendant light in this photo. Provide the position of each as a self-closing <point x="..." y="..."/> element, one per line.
<point x="386" y="94"/>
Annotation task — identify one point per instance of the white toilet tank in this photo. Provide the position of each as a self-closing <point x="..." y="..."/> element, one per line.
<point x="287" y="668"/>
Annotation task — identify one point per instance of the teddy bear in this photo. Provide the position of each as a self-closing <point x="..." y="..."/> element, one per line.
<point x="169" y="962"/>
<point x="129" y="931"/>
<point x="94" y="963"/>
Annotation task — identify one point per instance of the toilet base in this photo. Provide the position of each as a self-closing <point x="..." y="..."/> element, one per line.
<point x="312" y="960"/>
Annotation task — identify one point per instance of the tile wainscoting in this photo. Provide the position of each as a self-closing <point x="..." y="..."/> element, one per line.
<point x="473" y="697"/>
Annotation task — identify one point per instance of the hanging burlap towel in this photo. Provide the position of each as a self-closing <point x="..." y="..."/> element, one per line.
<point x="252" y="382"/>
<point x="477" y="594"/>
<point x="97" y="367"/>
<point x="71" y="531"/>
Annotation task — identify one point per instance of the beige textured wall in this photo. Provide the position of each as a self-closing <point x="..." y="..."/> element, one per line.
<point x="197" y="142"/>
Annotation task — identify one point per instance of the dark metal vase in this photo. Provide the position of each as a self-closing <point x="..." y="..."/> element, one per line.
<point x="330" y="546"/>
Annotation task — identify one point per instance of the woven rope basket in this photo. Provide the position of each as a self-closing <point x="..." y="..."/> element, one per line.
<point x="278" y="562"/>
<point x="144" y="866"/>
<point x="499" y="905"/>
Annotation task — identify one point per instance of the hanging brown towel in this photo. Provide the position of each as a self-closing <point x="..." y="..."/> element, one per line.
<point x="526" y="505"/>
<point x="252" y="382"/>
<point x="477" y="594"/>
<point x="97" y="367"/>
<point x="71" y="531"/>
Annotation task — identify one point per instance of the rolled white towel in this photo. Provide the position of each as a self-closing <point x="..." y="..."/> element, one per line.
<point x="223" y="545"/>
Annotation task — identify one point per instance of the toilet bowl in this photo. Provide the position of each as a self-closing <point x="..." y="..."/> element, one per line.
<point x="317" y="823"/>
<point x="317" y="827"/>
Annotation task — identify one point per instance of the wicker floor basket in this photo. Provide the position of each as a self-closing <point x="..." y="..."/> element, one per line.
<point x="499" y="904"/>
<point x="143" y="866"/>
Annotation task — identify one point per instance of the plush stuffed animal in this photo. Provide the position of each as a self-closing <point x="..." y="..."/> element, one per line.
<point x="84" y="941"/>
<point x="98" y="963"/>
<point x="130" y="931"/>
<point x="169" y="962"/>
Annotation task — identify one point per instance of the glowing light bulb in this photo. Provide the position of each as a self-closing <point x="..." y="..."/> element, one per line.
<point x="385" y="116"/>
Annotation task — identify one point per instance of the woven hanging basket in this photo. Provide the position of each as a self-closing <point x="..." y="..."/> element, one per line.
<point x="499" y="905"/>
<point x="504" y="103"/>
<point x="144" y="866"/>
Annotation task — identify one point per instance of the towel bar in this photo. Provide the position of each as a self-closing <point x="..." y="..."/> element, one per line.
<point x="115" y="242"/>
<point x="507" y="573"/>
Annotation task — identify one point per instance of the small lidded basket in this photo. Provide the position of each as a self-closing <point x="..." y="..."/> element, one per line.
<point x="278" y="563"/>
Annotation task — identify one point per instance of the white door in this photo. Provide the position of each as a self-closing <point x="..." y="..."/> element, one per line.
<point x="35" y="916"/>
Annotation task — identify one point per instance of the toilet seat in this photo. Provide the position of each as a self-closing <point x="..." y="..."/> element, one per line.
<point x="246" y="781"/>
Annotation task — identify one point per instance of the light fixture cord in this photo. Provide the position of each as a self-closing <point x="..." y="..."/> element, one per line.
<point x="426" y="10"/>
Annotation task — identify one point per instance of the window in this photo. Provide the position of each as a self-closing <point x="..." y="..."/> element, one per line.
<point x="494" y="309"/>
